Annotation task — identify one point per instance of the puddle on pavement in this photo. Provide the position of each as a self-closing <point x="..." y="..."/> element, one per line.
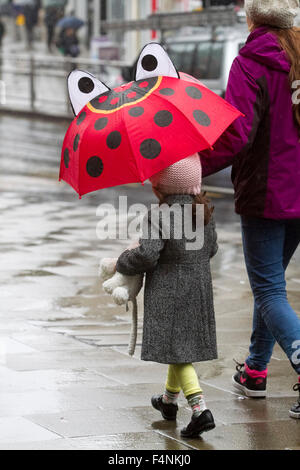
<point x="37" y="273"/>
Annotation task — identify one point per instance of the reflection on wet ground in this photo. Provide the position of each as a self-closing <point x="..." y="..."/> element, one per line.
<point x="66" y="379"/>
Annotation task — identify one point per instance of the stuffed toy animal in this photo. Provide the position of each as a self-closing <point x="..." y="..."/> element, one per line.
<point x="123" y="289"/>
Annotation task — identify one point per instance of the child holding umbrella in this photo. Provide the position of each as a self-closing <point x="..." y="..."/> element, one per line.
<point x="153" y="128"/>
<point x="179" y="318"/>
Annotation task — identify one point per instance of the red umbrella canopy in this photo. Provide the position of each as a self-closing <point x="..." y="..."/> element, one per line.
<point x="128" y="134"/>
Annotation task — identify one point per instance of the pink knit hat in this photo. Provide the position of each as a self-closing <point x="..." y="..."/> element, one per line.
<point x="184" y="177"/>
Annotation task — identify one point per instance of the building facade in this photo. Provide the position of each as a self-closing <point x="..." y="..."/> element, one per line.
<point x="95" y="11"/>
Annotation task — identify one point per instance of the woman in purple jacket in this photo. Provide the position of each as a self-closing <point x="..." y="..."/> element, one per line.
<point x="264" y="150"/>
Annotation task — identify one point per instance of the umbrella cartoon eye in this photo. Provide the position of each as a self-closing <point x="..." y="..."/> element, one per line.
<point x="153" y="62"/>
<point x="83" y="87"/>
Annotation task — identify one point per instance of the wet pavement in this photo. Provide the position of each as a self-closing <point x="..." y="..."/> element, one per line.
<point x="66" y="379"/>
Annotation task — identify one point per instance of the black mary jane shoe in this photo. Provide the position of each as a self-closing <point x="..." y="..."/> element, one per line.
<point x="168" y="410"/>
<point x="203" y="423"/>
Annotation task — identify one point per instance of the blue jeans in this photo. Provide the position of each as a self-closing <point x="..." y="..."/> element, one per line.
<point x="268" y="247"/>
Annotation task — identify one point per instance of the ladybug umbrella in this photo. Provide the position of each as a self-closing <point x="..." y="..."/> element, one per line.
<point x="128" y="134"/>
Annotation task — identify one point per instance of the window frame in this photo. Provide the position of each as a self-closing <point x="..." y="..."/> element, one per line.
<point x="184" y="43"/>
<point x="212" y="42"/>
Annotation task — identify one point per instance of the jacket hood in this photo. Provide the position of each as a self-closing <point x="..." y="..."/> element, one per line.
<point x="263" y="47"/>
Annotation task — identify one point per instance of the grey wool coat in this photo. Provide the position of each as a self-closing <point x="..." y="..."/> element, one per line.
<point x="179" y="317"/>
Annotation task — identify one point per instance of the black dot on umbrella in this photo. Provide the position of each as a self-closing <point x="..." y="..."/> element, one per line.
<point x="66" y="158"/>
<point x="76" y="142"/>
<point x="136" y="111"/>
<point x="163" y="118"/>
<point x="101" y="124"/>
<point x="81" y="118"/>
<point x="114" y="140"/>
<point x="150" y="148"/>
<point x="149" y="62"/>
<point x="167" y="91"/>
<point x="194" y="92"/>
<point x="202" y="118"/>
<point x="94" y="167"/>
<point x="86" y="85"/>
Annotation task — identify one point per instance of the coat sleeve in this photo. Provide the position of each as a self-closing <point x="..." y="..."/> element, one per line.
<point x="243" y="92"/>
<point x="146" y="256"/>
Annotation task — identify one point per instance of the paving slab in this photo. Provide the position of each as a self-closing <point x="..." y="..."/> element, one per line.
<point x="94" y="422"/>
<point x="283" y="435"/>
<point x="25" y="403"/>
<point x="22" y="430"/>
<point x="54" y="444"/>
<point x="69" y="360"/>
<point x="76" y="378"/>
<point x="249" y="410"/>
<point x="130" y="441"/>
<point x="45" y="342"/>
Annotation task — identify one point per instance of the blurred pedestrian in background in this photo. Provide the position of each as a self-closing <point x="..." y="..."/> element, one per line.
<point x="264" y="149"/>
<point x="52" y="15"/>
<point x="31" y="13"/>
<point x="2" y="31"/>
<point x="68" y="43"/>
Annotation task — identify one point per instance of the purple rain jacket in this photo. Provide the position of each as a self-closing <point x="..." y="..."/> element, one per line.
<point x="263" y="147"/>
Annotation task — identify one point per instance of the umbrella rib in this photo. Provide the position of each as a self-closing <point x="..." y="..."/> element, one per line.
<point x="132" y="151"/>
<point x="141" y="178"/>
<point x="86" y="128"/>
<point x="186" y="118"/>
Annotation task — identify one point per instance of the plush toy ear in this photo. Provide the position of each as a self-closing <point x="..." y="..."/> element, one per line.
<point x="83" y="87"/>
<point x="153" y="62"/>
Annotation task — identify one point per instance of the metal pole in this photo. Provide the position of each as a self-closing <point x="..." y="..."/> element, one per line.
<point x="67" y="101"/>
<point x="154" y="10"/>
<point x="31" y="78"/>
<point x="97" y="18"/>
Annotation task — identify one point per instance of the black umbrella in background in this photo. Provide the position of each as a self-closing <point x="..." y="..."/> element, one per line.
<point x="70" y="22"/>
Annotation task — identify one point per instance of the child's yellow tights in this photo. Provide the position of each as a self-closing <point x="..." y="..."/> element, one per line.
<point x="183" y="377"/>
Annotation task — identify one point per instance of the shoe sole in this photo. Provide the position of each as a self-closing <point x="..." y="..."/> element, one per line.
<point x="247" y="392"/>
<point x="167" y="418"/>
<point x="207" y="428"/>
<point x="294" y="415"/>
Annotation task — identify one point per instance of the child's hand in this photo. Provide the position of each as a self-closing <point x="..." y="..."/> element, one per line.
<point x="135" y="244"/>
